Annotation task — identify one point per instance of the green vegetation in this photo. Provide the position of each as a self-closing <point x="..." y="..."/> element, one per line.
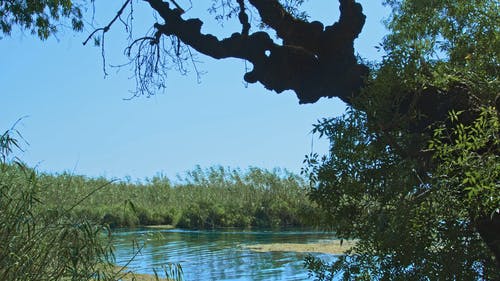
<point x="41" y="17"/>
<point x="50" y="241"/>
<point x="41" y="242"/>
<point x="215" y="197"/>
<point x="413" y="170"/>
<point x="412" y="173"/>
<point x="56" y="227"/>
<point x="408" y="225"/>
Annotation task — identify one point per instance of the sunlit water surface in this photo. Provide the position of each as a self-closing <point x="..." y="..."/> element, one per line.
<point x="216" y="255"/>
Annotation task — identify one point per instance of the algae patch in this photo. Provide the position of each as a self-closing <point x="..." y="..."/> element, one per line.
<point x="331" y="247"/>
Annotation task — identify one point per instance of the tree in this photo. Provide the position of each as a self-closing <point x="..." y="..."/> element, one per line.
<point x="41" y="17"/>
<point x="409" y="223"/>
<point x="312" y="59"/>
<point x="441" y="57"/>
<point x="450" y="63"/>
<point x="413" y="170"/>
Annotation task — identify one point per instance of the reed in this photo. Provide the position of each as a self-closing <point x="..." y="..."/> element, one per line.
<point x="203" y="198"/>
<point x="43" y="239"/>
<point x="41" y="242"/>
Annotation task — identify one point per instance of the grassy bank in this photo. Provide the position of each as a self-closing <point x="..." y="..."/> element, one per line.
<point x="203" y="198"/>
<point x="39" y="242"/>
<point x="56" y="227"/>
<point x="53" y="227"/>
<point x="49" y="241"/>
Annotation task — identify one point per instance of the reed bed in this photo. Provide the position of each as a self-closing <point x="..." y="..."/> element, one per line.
<point x="43" y="238"/>
<point x="202" y="198"/>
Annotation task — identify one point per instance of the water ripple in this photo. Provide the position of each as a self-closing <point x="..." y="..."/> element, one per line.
<point x="216" y="255"/>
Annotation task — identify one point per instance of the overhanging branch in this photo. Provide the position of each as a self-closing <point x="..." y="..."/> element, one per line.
<point x="312" y="61"/>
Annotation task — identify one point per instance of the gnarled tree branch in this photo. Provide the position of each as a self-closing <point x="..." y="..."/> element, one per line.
<point x="312" y="61"/>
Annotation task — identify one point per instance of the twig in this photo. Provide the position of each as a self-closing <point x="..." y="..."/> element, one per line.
<point x="107" y="27"/>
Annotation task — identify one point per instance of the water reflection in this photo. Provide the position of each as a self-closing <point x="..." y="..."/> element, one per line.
<point x="216" y="255"/>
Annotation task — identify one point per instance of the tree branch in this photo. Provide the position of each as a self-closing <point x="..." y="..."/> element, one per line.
<point x="243" y="17"/>
<point x="312" y="62"/>
<point x="293" y="31"/>
<point x="108" y="26"/>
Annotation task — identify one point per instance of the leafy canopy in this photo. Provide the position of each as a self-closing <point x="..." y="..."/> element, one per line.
<point x="418" y="189"/>
<point x="41" y="17"/>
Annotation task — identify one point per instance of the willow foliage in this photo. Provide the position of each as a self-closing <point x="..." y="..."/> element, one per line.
<point x="414" y="189"/>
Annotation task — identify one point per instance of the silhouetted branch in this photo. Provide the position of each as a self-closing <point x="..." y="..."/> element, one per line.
<point x="314" y="62"/>
<point x="108" y="26"/>
<point x="92" y="35"/>
<point x="243" y="17"/>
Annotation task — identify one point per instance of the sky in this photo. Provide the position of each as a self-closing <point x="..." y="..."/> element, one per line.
<point x="74" y="119"/>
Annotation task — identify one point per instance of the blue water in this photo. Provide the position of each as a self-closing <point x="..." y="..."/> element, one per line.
<point x="216" y="255"/>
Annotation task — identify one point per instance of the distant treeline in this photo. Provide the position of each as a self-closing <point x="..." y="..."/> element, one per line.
<point x="204" y="198"/>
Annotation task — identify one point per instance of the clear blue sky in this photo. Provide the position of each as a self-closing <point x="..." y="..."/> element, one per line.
<point x="78" y="121"/>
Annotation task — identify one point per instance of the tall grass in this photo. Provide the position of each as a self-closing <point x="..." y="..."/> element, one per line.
<point x="57" y="227"/>
<point x="40" y="243"/>
<point x="42" y="239"/>
<point x="203" y="198"/>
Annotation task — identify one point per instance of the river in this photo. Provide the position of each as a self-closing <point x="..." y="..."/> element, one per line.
<point x="218" y="254"/>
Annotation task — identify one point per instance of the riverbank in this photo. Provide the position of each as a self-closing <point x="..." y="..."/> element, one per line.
<point x="204" y="199"/>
